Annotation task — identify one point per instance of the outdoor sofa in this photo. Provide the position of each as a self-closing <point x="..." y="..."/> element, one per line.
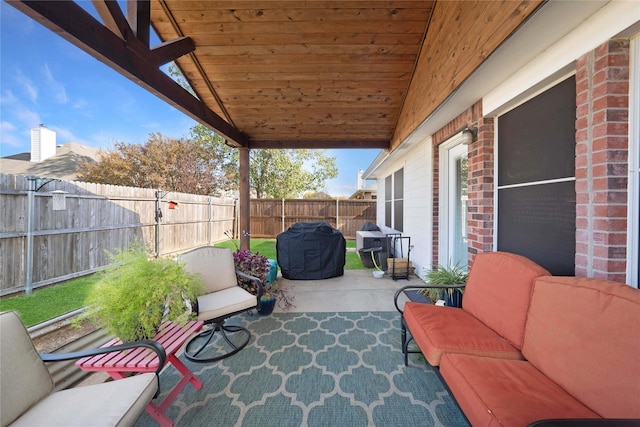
<point x="527" y="346"/>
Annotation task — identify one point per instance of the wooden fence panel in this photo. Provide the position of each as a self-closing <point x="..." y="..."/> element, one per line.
<point x="101" y="218"/>
<point x="98" y="219"/>
<point x="268" y="216"/>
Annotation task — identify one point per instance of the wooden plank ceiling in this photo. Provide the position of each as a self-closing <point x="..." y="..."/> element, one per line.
<point x="300" y="73"/>
<point x="295" y="73"/>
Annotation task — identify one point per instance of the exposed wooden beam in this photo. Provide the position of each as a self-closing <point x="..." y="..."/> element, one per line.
<point x="70" y="21"/>
<point x="112" y="17"/>
<point x="319" y="144"/>
<point x="139" y="17"/>
<point x="173" y="49"/>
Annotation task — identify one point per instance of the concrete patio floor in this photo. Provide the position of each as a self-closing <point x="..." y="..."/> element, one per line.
<point x="356" y="290"/>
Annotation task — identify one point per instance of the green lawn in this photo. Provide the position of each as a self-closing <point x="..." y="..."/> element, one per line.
<point x="53" y="301"/>
<point x="267" y="247"/>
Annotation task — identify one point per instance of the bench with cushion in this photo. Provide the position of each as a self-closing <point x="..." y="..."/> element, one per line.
<point x="491" y="321"/>
<point x="527" y="346"/>
<point x="581" y="353"/>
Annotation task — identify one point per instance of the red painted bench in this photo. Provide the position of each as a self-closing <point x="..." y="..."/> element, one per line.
<point x="172" y="336"/>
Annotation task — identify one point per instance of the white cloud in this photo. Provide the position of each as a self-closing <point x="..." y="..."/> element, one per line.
<point x="9" y="137"/>
<point x="8" y="98"/>
<point x="57" y="88"/>
<point x="27" y="85"/>
<point x="28" y="118"/>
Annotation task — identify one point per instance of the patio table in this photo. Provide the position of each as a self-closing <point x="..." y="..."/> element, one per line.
<point x="117" y="364"/>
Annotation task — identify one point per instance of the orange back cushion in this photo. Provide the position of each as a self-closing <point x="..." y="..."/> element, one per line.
<point x="498" y="292"/>
<point x="584" y="334"/>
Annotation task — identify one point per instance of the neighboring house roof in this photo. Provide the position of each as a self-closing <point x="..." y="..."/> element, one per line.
<point x="62" y="166"/>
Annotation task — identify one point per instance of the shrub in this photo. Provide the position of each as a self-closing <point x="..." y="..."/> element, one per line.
<point x="135" y="294"/>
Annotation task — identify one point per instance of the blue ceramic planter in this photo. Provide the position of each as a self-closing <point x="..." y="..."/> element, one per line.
<point x="266" y="306"/>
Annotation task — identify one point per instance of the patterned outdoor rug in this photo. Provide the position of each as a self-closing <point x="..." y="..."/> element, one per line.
<point x="314" y="369"/>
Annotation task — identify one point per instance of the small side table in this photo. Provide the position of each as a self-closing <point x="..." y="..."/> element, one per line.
<point x="172" y="336"/>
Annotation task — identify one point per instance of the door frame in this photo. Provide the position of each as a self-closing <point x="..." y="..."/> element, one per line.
<point x="448" y="150"/>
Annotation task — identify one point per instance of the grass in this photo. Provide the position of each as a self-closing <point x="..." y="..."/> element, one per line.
<point x="267" y="247"/>
<point x="54" y="301"/>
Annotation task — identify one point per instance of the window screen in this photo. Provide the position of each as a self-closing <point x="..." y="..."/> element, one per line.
<point x="536" y="179"/>
<point x="537" y="139"/>
<point x="539" y="222"/>
<point x="387" y="201"/>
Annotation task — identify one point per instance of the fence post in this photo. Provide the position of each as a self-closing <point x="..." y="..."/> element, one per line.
<point x="337" y="214"/>
<point x="283" y="214"/>
<point x="28" y="273"/>
<point x="210" y="221"/>
<point x="159" y="197"/>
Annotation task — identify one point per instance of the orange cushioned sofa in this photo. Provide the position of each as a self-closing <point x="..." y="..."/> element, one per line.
<point x="574" y="353"/>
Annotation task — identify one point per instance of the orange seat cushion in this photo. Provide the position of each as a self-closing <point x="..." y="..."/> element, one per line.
<point x="498" y="292"/>
<point x="584" y="334"/>
<point x="437" y="329"/>
<point x="501" y="392"/>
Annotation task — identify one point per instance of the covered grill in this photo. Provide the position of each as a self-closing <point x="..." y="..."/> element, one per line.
<point x="310" y="251"/>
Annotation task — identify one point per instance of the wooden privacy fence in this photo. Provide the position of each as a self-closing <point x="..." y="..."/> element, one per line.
<point x="40" y="245"/>
<point x="272" y="216"/>
<point x="43" y="242"/>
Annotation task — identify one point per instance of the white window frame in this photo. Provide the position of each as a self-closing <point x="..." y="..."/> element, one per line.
<point x="445" y="202"/>
<point x="633" y="222"/>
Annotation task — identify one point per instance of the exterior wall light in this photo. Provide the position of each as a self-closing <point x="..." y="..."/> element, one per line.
<point x="469" y="134"/>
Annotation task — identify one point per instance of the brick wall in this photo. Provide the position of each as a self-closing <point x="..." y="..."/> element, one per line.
<point x="480" y="204"/>
<point x="478" y="154"/>
<point x="602" y="83"/>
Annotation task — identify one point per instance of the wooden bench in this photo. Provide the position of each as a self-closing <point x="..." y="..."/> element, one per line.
<point x="172" y="337"/>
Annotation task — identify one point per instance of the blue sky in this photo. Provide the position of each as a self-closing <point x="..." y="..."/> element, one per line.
<point x="45" y="79"/>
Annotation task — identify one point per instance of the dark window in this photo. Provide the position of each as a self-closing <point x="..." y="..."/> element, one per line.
<point x="398" y="197"/>
<point x="539" y="222"/>
<point x="536" y="179"/>
<point x="388" y="197"/>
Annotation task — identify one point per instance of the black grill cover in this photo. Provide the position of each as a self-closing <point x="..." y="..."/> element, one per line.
<point x="311" y="251"/>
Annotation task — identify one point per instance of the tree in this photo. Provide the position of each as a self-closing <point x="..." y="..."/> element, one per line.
<point x="274" y="173"/>
<point x="188" y="166"/>
<point x="289" y="173"/>
<point x="316" y="195"/>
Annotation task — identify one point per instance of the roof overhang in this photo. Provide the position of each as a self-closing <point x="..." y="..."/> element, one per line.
<point x="291" y="74"/>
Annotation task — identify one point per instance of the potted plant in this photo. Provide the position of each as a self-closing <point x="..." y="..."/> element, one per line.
<point x="446" y="275"/>
<point x="254" y="264"/>
<point x="135" y="294"/>
<point x="267" y="304"/>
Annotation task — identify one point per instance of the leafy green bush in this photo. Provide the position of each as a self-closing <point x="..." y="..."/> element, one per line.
<point x="135" y="294"/>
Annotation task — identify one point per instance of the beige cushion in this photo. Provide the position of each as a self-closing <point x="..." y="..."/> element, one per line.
<point x="24" y="379"/>
<point x="25" y="387"/>
<point x="224" y="302"/>
<point x="214" y="265"/>
<point x="115" y="403"/>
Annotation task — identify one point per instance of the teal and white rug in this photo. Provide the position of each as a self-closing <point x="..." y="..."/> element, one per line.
<point x="314" y="369"/>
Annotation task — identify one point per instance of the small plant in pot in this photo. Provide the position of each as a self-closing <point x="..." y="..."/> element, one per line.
<point x="254" y="264"/>
<point x="446" y="275"/>
<point x="136" y="294"/>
